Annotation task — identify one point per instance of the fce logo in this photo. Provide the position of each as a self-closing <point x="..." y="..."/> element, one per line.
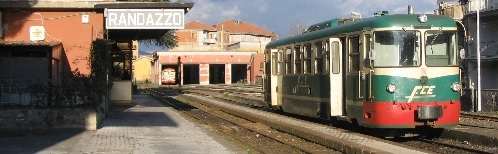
<point x="421" y="92"/>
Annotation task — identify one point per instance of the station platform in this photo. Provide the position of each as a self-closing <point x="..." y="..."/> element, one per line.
<point x="146" y="126"/>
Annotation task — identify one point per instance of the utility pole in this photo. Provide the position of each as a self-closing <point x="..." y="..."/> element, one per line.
<point x="478" y="59"/>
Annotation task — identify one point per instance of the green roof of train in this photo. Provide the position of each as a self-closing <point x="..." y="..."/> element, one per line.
<point x="398" y="20"/>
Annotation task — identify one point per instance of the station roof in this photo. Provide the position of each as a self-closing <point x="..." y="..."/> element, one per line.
<point x="30" y="43"/>
<point x="95" y="5"/>
<point x="99" y="6"/>
<point x="139" y="34"/>
<point x="242" y="27"/>
<point x="199" y="25"/>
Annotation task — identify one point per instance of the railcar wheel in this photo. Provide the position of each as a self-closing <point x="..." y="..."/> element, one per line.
<point x="334" y="122"/>
<point x="432" y="132"/>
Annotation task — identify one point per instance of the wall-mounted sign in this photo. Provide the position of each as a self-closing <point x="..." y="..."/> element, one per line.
<point x="36" y="33"/>
<point x="145" y="19"/>
<point x="85" y="18"/>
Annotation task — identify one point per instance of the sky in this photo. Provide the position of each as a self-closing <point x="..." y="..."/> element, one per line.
<point x="279" y="16"/>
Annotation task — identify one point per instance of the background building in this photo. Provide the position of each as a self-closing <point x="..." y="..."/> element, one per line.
<point x="226" y="53"/>
<point x="142" y="69"/>
<point x="45" y="52"/>
<point x="465" y="14"/>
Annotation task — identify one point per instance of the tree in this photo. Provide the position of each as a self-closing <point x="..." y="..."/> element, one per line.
<point x="297" y="28"/>
<point x="168" y="40"/>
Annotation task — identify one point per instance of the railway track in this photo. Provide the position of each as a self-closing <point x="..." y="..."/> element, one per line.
<point x="439" y="145"/>
<point x="256" y="137"/>
<point x="479" y="117"/>
<point x="316" y="134"/>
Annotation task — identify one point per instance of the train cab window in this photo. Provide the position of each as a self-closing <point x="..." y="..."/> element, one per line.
<point x="326" y="54"/>
<point x="307" y="58"/>
<point x="397" y="48"/>
<point x="354" y="54"/>
<point x="280" y="59"/>
<point x="440" y="48"/>
<point x="318" y="58"/>
<point x="288" y="60"/>
<point x="297" y="60"/>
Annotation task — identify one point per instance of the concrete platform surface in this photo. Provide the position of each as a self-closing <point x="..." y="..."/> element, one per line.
<point x="146" y="126"/>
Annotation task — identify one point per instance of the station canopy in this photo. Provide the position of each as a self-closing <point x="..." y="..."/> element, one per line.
<point x="141" y="8"/>
<point x="137" y="33"/>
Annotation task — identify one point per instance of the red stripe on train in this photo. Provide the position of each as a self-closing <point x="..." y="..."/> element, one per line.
<point x="404" y="115"/>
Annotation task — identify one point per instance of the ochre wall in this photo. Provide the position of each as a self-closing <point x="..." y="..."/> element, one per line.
<point x="142" y="69"/>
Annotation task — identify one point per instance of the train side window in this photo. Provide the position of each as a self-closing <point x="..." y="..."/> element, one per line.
<point x="274" y="63"/>
<point x="336" y="59"/>
<point x="318" y="57"/>
<point x="354" y="54"/>
<point x="297" y="59"/>
<point x="288" y="60"/>
<point x="367" y="50"/>
<point x="326" y="53"/>
<point x="307" y="58"/>
<point x="280" y="62"/>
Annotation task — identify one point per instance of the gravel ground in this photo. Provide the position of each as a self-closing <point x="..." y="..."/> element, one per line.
<point x="441" y="145"/>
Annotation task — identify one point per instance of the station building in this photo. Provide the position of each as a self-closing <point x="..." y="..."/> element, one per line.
<point x="46" y="40"/>
<point x="226" y="53"/>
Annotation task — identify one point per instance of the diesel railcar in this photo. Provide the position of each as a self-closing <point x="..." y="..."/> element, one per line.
<point x="398" y="72"/>
<point x="168" y="76"/>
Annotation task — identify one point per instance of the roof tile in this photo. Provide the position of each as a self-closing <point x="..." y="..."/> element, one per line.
<point x="199" y="25"/>
<point x="241" y="27"/>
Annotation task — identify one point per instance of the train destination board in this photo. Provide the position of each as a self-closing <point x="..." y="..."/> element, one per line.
<point x="145" y="18"/>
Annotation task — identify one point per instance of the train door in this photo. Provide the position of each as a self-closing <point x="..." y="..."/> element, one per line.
<point x="364" y="77"/>
<point x="271" y="73"/>
<point x="367" y="65"/>
<point x="336" y="78"/>
<point x="267" y="78"/>
<point x="354" y="78"/>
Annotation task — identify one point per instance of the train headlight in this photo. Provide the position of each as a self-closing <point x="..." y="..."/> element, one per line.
<point x="422" y="18"/>
<point x="456" y="86"/>
<point x="391" y="88"/>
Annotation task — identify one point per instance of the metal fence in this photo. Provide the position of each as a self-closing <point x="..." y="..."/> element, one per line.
<point x="44" y="93"/>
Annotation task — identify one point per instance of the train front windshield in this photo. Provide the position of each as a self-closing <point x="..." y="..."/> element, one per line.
<point x="403" y="48"/>
<point x="440" y="48"/>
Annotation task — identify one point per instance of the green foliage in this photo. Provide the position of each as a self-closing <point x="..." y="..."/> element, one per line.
<point x="100" y="63"/>
<point x="74" y="89"/>
<point x="168" y="40"/>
